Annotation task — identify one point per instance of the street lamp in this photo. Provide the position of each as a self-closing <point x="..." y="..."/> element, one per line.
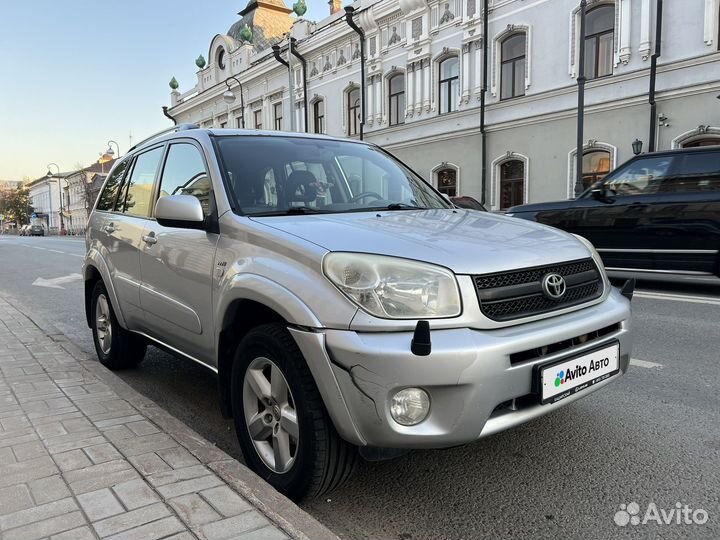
<point x="637" y="146"/>
<point x="50" y="179"/>
<point x="110" y="151"/>
<point x="229" y="98"/>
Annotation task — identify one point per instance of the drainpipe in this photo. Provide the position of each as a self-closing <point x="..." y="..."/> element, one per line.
<point x="581" y="103"/>
<point x="291" y="86"/>
<point x="300" y="57"/>
<point x="653" y="76"/>
<point x="483" y="152"/>
<point x="170" y="116"/>
<point x="349" y="12"/>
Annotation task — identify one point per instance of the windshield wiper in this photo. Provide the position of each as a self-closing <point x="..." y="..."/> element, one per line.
<point x="404" y="206"/>
<point x="293" y="210"/>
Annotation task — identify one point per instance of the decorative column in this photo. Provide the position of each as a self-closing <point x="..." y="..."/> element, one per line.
<point x="465" y="73"/>
<point x="298" y="116"/>
<point x="624" y="45"/>
<point x="370" y="94"/>
<point x="478" y="67"/>
<point x="410" y="89"/>
<point x="645" y="29"/>
<point x="426" y="84"/>
<point x="378" y="99"/>
<point x="418" y="87"/>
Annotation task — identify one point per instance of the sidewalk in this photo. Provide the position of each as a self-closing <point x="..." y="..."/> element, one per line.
<point x="82" y="455"/>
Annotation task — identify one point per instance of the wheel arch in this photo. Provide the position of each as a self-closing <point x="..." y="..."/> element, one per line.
<point x="95" y="269"/>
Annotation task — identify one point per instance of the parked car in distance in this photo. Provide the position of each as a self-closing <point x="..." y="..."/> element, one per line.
<point x="36" y="230"/>
<point x="656" y="216"/>
<point x="345" y="305"/>
<point x="468" y="202"/>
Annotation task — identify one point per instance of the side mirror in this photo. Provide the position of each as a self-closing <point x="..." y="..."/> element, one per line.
<point x="181" y="211"/>
<point x="597" y="192"/>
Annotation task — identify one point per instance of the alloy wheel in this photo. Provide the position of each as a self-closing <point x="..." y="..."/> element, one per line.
<point x="103" y="324"/>
<point x="270" y="415"/>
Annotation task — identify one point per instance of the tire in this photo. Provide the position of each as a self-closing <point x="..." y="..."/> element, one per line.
<point x="317" y="461"/>
<point x="116" y="347"/>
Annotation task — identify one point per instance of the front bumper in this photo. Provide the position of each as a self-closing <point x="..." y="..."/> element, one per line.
<point x="474" y="388"/>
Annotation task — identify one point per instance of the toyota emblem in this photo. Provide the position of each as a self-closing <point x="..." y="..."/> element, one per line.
<point x="553" y="286"/>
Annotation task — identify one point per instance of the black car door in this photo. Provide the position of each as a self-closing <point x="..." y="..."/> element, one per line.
<point x="683" y="217"/>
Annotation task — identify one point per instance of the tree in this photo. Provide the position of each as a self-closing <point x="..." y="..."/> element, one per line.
<point x="15" y="206"/>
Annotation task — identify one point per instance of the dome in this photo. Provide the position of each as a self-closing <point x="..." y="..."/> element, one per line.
<point x="269" y="20"/>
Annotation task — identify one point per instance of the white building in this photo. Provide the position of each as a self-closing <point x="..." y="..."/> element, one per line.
<point x="46" y="197"/>
<point x="425" y="81"/>
<point x="81" y="190"/>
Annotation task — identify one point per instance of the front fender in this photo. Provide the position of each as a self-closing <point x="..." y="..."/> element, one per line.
<point x="95" y="260"/>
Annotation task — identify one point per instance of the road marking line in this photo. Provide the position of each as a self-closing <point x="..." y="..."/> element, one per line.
<point x="644" y="363"/>
<point x="58" y="282"/>
<point x="679" y="298"/>
<point x="57" y="251"/>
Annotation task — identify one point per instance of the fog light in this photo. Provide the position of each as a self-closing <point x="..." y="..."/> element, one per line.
<point x="410" y="406"/>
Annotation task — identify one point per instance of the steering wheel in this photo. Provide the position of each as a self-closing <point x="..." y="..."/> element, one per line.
<point x="365" y="194"/>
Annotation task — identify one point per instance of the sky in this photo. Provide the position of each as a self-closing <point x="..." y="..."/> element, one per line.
<point x="78" y="73"/>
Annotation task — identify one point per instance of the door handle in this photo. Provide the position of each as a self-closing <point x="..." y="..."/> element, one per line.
<point x="109" y="228"/>
<point x="149" y="238"/>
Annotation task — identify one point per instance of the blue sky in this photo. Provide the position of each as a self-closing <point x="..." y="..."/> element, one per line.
<point x="77" y="73"/>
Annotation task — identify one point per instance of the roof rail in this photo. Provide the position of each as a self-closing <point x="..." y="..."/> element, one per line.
<point x="173" y="129"/>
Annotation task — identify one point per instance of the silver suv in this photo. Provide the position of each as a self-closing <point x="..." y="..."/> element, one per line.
<point x="346" y="306"/>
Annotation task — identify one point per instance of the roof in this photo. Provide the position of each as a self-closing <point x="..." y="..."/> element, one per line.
<point x="44" y="178"/>
<point x="268" y="20"/>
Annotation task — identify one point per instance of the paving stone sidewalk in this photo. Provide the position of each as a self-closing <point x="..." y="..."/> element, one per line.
<point x="82" y="455"/>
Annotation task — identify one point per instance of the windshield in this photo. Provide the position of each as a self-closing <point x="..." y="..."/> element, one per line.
<point x="288" y="175"/>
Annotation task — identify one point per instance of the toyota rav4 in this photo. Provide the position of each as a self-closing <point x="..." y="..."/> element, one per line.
<point x="347" y="307"/>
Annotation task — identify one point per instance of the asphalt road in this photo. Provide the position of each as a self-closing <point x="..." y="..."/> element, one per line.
<point x="651" y="437"/>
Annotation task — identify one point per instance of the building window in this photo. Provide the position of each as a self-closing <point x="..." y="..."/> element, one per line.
<point x="278" y="116"/>
<point x="599" y="41"/>
<point x="223" y="125"/>
<point x="512" y="66"/>
<point x="447" y="182"/>
<point x="221" y="59"/>
<point x="353" y="111"/>
<point x="257" y="119"/>
<point x="596" y="165"/>
<point x="449" y="84"/>
<point x="238" y="122"/>
<point x="709" y="141"/>
<point x="319" y="116"/>
<point x="512" y="183"/>
<point x="397" y="99"/>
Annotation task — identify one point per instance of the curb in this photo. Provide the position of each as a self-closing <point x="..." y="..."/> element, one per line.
<point x="284" y="513"/>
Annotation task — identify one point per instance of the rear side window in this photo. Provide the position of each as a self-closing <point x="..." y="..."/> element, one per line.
<point x="185" y="174"/>
<point x="694" y="172"/>
<point x="106" y="200"/>
<point x="139" y="191"/>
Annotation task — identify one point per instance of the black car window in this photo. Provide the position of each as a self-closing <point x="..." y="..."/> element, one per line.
<point x="106" y="200"/>
<point x="185" y="174"/>
<point x="697" y="171"/>
<point x="140" y="185"/>
<point x="644" y="175"/>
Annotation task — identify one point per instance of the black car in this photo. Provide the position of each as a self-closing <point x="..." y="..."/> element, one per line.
<point x="656" y="215"/>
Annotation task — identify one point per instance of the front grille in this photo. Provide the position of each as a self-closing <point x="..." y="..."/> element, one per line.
<point x="565" y="345"/>
<point x="517" y="294"/>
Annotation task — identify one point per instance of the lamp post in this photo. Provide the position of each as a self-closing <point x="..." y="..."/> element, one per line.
<point x="581" y="79"/>
<point x="229" y="97"/>
<point x="637" y="146"/>
<point x="50" y="179"/>
<point x="110" y="151"/>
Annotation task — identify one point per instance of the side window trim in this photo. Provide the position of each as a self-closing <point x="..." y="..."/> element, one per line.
<point x="163" y="163"/>
<point x="123" y="187"/>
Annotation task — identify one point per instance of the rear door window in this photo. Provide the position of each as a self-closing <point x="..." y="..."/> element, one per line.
<point x="694" y="172"/>
<point x="106" y="200"/>
<point x="138" y="196"/>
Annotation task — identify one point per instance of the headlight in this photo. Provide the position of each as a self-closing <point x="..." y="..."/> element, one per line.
<point x="393" y="288"/>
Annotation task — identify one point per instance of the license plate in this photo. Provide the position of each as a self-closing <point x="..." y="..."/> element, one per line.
<point x="571" y="375"/>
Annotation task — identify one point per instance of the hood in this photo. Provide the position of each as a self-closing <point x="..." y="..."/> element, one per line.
<point x="551" y="205"/>
<point x="466" y="241"/>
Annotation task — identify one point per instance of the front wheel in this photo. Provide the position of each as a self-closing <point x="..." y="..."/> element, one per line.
<point x="284" y="431"/>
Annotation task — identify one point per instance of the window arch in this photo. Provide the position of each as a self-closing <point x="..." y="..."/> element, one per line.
<point x="447" y="179"/>
<point x="396" y="99"/>
<point x="706" y="141"/>
<point x="353" y="111"/>
<point x="449" y="84"/>
<point x="598" y="160"/>
<point x="700" y="136"/>
<point x="318" y="110"/>
<point x="599" y="41"/>
<point x="513" y="65"/>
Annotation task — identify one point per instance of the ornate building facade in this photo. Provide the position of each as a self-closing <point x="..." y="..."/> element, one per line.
<point x="424" y="82"/>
